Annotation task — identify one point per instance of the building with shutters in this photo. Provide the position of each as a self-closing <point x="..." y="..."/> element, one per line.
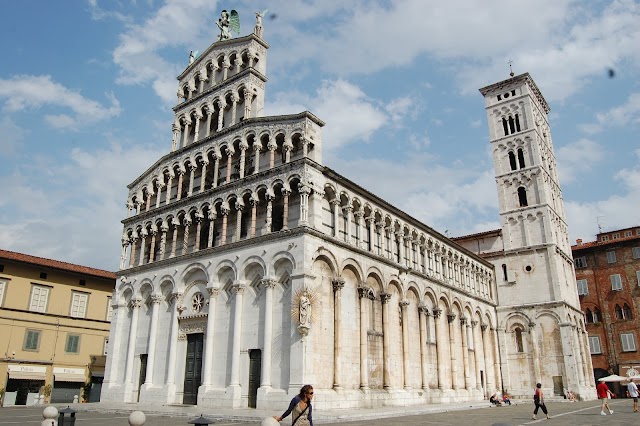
<point x="249" y="268"/>
<point x="608" y="283"/>
<point x="54" y="323"/>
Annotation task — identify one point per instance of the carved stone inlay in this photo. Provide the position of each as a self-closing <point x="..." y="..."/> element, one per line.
<point x="197" y="302"/>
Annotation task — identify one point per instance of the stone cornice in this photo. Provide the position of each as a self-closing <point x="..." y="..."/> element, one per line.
<point x="519" y="79"/>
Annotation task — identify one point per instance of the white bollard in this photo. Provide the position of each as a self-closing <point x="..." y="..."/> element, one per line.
<point x="137" y="418"/>
<point x="75" y="399"/>
<point x="269" y="421"/>
<point x="50" y="415"/>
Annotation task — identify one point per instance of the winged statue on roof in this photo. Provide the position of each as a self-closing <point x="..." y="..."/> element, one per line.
<point x="259" y="28"/>
<point x="228" y="22"/>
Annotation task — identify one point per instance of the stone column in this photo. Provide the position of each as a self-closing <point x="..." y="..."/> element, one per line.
<point x="196" y="129"/>
<point x="185" y="241"/>
<point x="583" y="355"/>
<point x="304" y="192"/>
<point x="370" y="226"/>
<point x="243" y="150"/>
<point x="152" y="248"/>
<point x="402" y="259"/>
<point x="237" y="334"/>
<point x="181" y="173"/>
<point x="578" y="355"/>
<point x="221" y="106"/>
<point x="347" y="211"/>
<point x="386" y="378"/>
<point x="452" y="351"/>
<point x="272" y="146"/>
<point x="338" y="284"/>
<point x="192" y="177"/>
<point x="287" y="147"/>
<point x="175" y="222"/>
<point x="203" y="176"/>
<point x="176" y="307"/>
<point x="247" y="103"/>
<point x="147" y="201"/>
<point x="439" y="347"/>
<point x="229" y="153"/>
<point x="239" y="208"/>
<point x="477" y="344"/>
<point x="423" y="313"/>
<point x="269" y="285"/>
<point x="363" y="294"/>
<point x="405" y="342"/>
<point x="336" y="217"/>
<point x="212" y="220"/>
<point x="143" y="241"/>
<point x="123" y="253"/>
<point x="185" y="135"/>
<point x="535" y="353"/>
<point x="496" y="360"/>
<point x="216" y="169"/>
<point x="465" y="352"/>
<point x="169" y="188"/>
<point x="153" y="331"/>
<point x="285" y="215"/>
<point x="585" y="337"/>
<point x="234" y="106"/>
<point x="254" y="211"/>
<point x="133" y="241"/>
<point x="257" y="147"/>
<point x="488" y="367"/>
<point x="269" y="213"/>
<point x="131" y="346"/>
<point x="160" y="185"/>
<point x="199" y="218"/>
<point x="174" y="141"/>
<point x="379" y="231"/>
<point x="163" y="240"/>
<point x="209" y="337"/>
<point x="209" y="117"/>
<point x="224" y="211"/>
<point x="358" y="219"/>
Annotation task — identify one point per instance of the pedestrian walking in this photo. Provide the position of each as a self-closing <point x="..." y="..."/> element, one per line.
<point x="633" y="393"/>
<point x="538" y="400"/>
<point x="604" y="394"/>
<point x="301" y="408"/>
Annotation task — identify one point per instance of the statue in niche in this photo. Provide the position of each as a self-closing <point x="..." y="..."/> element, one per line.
<point x="227" y="23"/>
<point x="305" y="310"/>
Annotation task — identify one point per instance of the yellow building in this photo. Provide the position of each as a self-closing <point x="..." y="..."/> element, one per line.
<point x="54" y="326"/>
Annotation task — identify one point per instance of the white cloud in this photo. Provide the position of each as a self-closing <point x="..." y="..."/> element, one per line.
<point x="178" y="23"/>
<point x="28" y="92"/>
<point x="11" y="137"/>
<point x="82" y="225"/>
<point x="401" y="108"/>
<point x="627" y="113"/>
<point x="621" y="208"/>
<point x="577" y="158"/>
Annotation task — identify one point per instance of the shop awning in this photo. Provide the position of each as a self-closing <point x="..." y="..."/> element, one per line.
<point x="27" y="375"/>
<point x="66" y="377"/>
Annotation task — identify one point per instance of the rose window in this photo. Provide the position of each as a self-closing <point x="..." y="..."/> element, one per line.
<point x="197" y="302"/>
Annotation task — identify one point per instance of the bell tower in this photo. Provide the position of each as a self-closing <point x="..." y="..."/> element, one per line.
<point x="537" y="291"/>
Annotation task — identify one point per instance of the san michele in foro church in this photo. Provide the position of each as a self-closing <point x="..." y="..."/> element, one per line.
<point x="249" y="268"/>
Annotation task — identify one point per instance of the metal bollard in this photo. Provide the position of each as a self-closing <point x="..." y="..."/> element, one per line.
<point x="137" y="418"/>
<point x="201" y="421"/>
<point x="50" y="415"/>
<point x="63" y="420"/>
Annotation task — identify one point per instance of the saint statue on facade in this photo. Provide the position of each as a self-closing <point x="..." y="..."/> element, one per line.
<point x="227" y="23"/>
<point x="305" y="311"/>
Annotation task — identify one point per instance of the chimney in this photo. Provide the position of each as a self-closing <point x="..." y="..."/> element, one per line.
<point x="579" y="242"/>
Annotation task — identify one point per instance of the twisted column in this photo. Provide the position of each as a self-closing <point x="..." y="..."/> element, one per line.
<point x="285" y="215"/>
<point x="224" y="211"/>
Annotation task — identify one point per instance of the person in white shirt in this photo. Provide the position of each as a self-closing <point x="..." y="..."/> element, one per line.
<point x="633" y="393"/>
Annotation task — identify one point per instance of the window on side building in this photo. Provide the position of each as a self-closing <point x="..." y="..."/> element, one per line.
<point x="636" y="252"/>
<point x="72" y="345"/>
<point x="611" y="256"/>
<point x="583" y="287"/>
<point x="628" y="342"/>
<point x="39" y="298"/>
<point x="32" y="340"/>
<point x="616" y="282"/>
<point x="594" y="345"/>
<point x="580" y="262"/>
<point x="78" y="304"/>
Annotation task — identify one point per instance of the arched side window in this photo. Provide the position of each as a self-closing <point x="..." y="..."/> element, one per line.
<point x="618" y="312"/>
<point x="512" y="160"/>
<point x="588" y="316"/>
<point x="518" y="333"/>
<point x="522" y="196"/>
<point x="626" y="312"/>
<point x="521" y="158"/>
<point x="597" y="315"/>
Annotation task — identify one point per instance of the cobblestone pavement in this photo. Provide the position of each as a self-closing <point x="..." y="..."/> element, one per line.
<point x="562" y="413"/>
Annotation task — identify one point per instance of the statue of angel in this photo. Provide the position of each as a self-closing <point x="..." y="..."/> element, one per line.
<point x="258" y="28"/>
<point x="192" y="56"/>
<point x="228" y="22"/>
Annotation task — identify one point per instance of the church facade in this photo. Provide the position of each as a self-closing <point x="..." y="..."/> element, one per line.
<point x="249" y="269"/>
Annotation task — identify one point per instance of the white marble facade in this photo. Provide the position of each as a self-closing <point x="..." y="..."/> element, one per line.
<point x="249" y="269"/>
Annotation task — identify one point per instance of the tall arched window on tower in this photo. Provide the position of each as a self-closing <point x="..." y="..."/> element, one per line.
<point x="521" y="158"/>
<point x="512" y="125"/>
<point x="518" y="333"/>
<point x="517" y="123"/>
<point x="504" y="272"/>
<point x="512" y="160"/>
<point x="522" y="196"/>
<point x="505" y="126"/>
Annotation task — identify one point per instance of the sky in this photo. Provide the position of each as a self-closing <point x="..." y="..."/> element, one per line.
<point x="87" y="87"/>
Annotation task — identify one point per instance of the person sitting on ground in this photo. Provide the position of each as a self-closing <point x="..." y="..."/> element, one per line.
<point x="571" y="396"/>
<point x="505" y="398"/>
<point x="494" y="400"/>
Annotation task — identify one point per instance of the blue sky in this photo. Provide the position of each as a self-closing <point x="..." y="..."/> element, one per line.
<point x="86" y="90"/>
